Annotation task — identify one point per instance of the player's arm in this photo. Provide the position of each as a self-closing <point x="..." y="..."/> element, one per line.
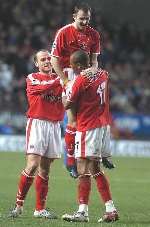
<point x="67" y="103"/>
<point x="36" y="87"/>
<point x="58" y="69"/>
<point x="95" y="51"/>
<point x="56" y="52"/>
<point x="94" y="61"/>
<point x="72" y="95"/>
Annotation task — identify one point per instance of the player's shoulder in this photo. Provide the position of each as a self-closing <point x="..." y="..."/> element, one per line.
<point x="79" y="79"/>
<point x="103" y="72"/>
<point x="82" y="80"/>
<point x="32" y="76"/>
<point x="64" y="29"/>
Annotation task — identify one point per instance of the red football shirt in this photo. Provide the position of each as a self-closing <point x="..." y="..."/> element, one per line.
<point x="44" y="94"/>
<point x="68" y="40"/>
<point x="91" y="100"/>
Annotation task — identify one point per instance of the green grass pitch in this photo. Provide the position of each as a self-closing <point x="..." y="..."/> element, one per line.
<point x="130" y="184"/>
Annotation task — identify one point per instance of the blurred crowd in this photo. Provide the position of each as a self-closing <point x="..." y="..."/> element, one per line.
<point x="26" y="26"/>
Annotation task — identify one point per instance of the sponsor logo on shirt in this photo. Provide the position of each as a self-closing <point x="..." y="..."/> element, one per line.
<point x="52" y="98"/>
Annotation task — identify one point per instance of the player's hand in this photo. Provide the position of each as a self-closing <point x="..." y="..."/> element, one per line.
<point x="66" y="92"/>
<point x="64" y="82"/>
<point x="73" y="171"/>
<point x="90" y="72"/>
<point x="107" y="163"/>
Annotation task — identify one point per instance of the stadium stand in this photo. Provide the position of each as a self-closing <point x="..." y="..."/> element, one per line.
<point x="26" y="26"/>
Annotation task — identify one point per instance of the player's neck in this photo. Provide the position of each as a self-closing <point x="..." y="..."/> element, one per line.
<point x="45" y="73"/>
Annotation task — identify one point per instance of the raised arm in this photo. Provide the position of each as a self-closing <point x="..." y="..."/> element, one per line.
<point x="57" y="67"/>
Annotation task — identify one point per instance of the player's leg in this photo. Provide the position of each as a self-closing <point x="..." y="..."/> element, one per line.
<point x="84" y="180"/>
<point x="103" y="187"/>
<point x="99" y="138"/>
<point x="84" y="184"/>
<point x="70" y="132"/>
<point x="84" y="188"/>
<point x="25" y="182"/>
<point x="53" y="150"/>
<point x="106" y="152"/>
<point x="33" y="148"/>
<point x="69" y="125"/>
<point x="41" y="183"/>
<point x="41" y="188"/>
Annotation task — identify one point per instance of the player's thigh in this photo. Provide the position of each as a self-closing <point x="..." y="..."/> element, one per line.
<point x="54" y="148"/>
<point x="82" y="166"/>
<point x="95" y="166"/>
<point x="36" y="136"/>
<point x="32" y="163"/>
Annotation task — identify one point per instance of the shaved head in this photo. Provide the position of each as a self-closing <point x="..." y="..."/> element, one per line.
<point x="79" y="58"/>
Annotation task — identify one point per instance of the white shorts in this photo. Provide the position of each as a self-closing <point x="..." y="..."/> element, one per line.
<point x="43" y="138"/>
<point x="94" y="143"/>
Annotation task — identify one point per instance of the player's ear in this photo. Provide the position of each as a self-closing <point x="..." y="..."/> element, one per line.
<point x="74" y="16"/>
<point x="79" y="66"/>
<point x="36" y="64"/>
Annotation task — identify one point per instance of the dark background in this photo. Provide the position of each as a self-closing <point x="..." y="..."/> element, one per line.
<point x="119" y="11"/>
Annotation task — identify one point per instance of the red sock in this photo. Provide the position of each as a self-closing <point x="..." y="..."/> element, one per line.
<point x="41" y="187"/>
<point x="70" y="139"/>
<point x="70" y="144"/>
<point x="23" y="187"/>
<point x="103" y="187"/>
<point x="84" y="188"/>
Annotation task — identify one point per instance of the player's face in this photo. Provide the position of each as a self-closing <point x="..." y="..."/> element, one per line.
<point x="81" y="19"/>
<point x="43" y="62"/>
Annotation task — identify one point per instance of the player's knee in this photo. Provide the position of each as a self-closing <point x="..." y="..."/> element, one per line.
<point x="82" y="171"/>
<point x="31" y="170"/>
<point x="86" y="175"/>
<point x="31" y="167"/>
<point x="96" y="174"/>
<point x="95" y="167"/>
<point x="44" y="173"/>
<point x="82" y="166"/>
<point x="71" y="122"/>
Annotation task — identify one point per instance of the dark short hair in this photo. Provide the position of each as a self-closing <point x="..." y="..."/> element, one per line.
<point x="81" y="6"/>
